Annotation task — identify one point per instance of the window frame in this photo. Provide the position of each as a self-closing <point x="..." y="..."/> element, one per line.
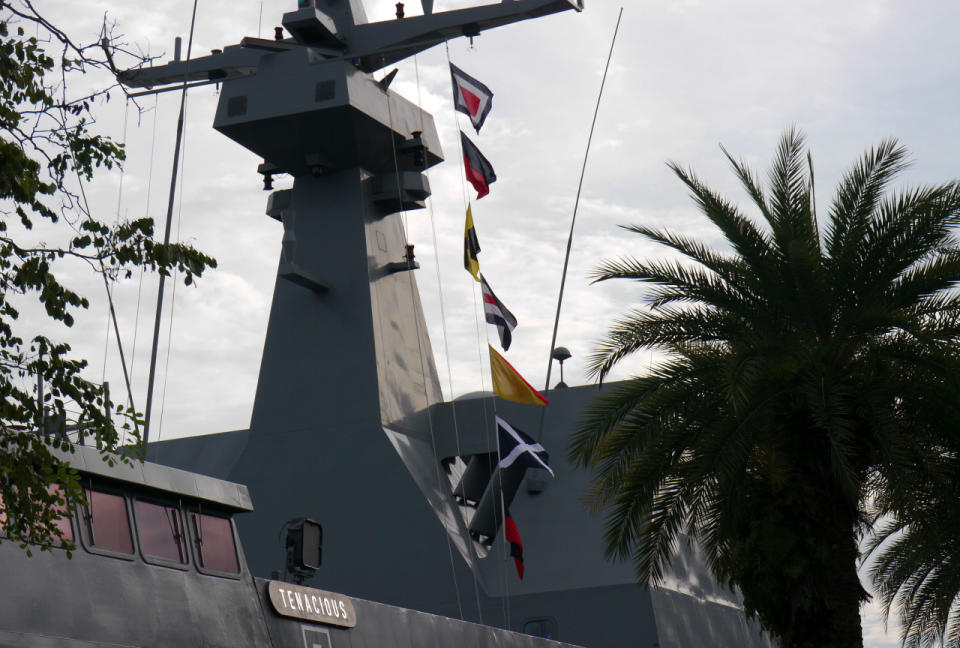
<point x="156" y="560"/>
<point x="68" y="514"/>
<point x="540" y="619"/>
<point x="82" y="522"/>
<point x="4" y="518"/>
<point x="192" y="514"/>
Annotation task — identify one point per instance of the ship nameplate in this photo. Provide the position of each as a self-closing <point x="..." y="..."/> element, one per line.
<point x="310" y="604"/>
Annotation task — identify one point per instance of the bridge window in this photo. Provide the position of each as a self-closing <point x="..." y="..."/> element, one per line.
<point x="105" y="522"/>
<point x="63" y="520"/>
<point x="160" y="528"/>
<point x="217" y="549"/>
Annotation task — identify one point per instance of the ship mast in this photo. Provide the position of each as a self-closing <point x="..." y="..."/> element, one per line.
<point x="310" y="107"/>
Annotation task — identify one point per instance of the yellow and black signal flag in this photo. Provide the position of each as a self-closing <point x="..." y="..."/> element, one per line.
<point x="471" y="247"/>
<point x="509" y="385"/>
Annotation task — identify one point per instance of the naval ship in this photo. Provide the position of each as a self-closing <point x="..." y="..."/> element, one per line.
<point x="159" y="564"/>
<point x="349" y="427"/>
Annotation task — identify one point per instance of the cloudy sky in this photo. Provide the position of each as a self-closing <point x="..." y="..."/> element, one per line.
<point x="686" y="76"/>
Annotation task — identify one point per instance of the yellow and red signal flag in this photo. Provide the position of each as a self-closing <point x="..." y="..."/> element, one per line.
<point x="470" y="97"/>
<point x="509" y="385"/>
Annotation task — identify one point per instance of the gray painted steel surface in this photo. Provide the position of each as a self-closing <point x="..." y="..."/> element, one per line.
<point x="384" y="541"/>
<point x="145" y="475"/>
<point x="97" y="599"/>
<point x="347" y="425"/>
<point x="380" y="625"/>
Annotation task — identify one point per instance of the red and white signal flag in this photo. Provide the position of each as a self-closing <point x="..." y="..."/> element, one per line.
<point x="471" y="97"/>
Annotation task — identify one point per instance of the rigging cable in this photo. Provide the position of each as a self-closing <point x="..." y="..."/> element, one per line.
<point x="113" y="313"/>
<point x="446" y="345"/>
<point x="420" y="351"/>
<point x="103" y="274"/>
<point x="110" y="315"/>
<point x="153" y="147"/>
<point x="173" y="297"/>
<point x="166" y="235"/>
<point x="573" y="221"/>
<point x="478" y="323"/>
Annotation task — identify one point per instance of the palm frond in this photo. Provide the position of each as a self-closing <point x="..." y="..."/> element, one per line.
<point x="856" y="199"/>
<point x="669" y="329"/>
<point x="750" y="243"/>
<point x="790" y="216"/>
<point x="751" y="183"/>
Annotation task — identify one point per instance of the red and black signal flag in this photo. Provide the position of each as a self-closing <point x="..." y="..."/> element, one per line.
<point x="471" y="97"/>
<point x="478" y="169"/>
<point x="516" y="544"/>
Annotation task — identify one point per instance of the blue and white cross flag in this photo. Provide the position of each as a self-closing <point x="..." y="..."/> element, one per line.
<point x="516" y="447"/>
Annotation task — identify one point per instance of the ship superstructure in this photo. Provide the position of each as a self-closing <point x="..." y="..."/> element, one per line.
<point x="158" y="563"/>
<point x="348" y="425"/>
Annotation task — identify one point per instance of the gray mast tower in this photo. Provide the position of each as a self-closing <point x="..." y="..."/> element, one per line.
<point x="342" y="418"/>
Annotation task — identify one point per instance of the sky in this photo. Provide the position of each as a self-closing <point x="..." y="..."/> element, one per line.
<point x="686" y="76"/>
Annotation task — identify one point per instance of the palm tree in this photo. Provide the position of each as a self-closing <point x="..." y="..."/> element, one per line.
<point x="805" y="372"/>
<point x="916" y="560"/>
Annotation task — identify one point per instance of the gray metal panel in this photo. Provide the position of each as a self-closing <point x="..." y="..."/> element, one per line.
<point x="617" y="616"/>
<point x="35" y="640"/>
<point x="354" y="122"/>
<point x="209" y="454"/>
<point x="96" y="600"/>
<point x="406" y="378"/>
<point x="684" y="621"/>
<point x="150" y="475"/>
<point x="386" y="626"/>
<point x="382" y="43"/>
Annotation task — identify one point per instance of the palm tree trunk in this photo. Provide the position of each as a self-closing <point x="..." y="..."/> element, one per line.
<point x="846" y="594"/>
<point x="832" y="618"/>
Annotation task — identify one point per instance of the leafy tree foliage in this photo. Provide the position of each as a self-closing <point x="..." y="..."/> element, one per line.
<point x="916" y="559"/>
<point x="48" y="149"/>
<point x="807" y="374"/>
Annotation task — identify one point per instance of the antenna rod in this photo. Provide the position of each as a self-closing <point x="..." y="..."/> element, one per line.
<point x="573" y="221"/>
<point x="166" y="238"/>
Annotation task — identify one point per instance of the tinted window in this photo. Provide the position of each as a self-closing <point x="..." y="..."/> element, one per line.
<point x="105" y="523"/>
<point x="161" y="531"/>
<point x="215" y="541"/>
<point x="62" y="522"/>
<point x="545" y="628"/>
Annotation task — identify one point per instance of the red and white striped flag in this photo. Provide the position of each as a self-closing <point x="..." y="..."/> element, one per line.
<point x="497" y="314"/>
<point x="471" y="97"/>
